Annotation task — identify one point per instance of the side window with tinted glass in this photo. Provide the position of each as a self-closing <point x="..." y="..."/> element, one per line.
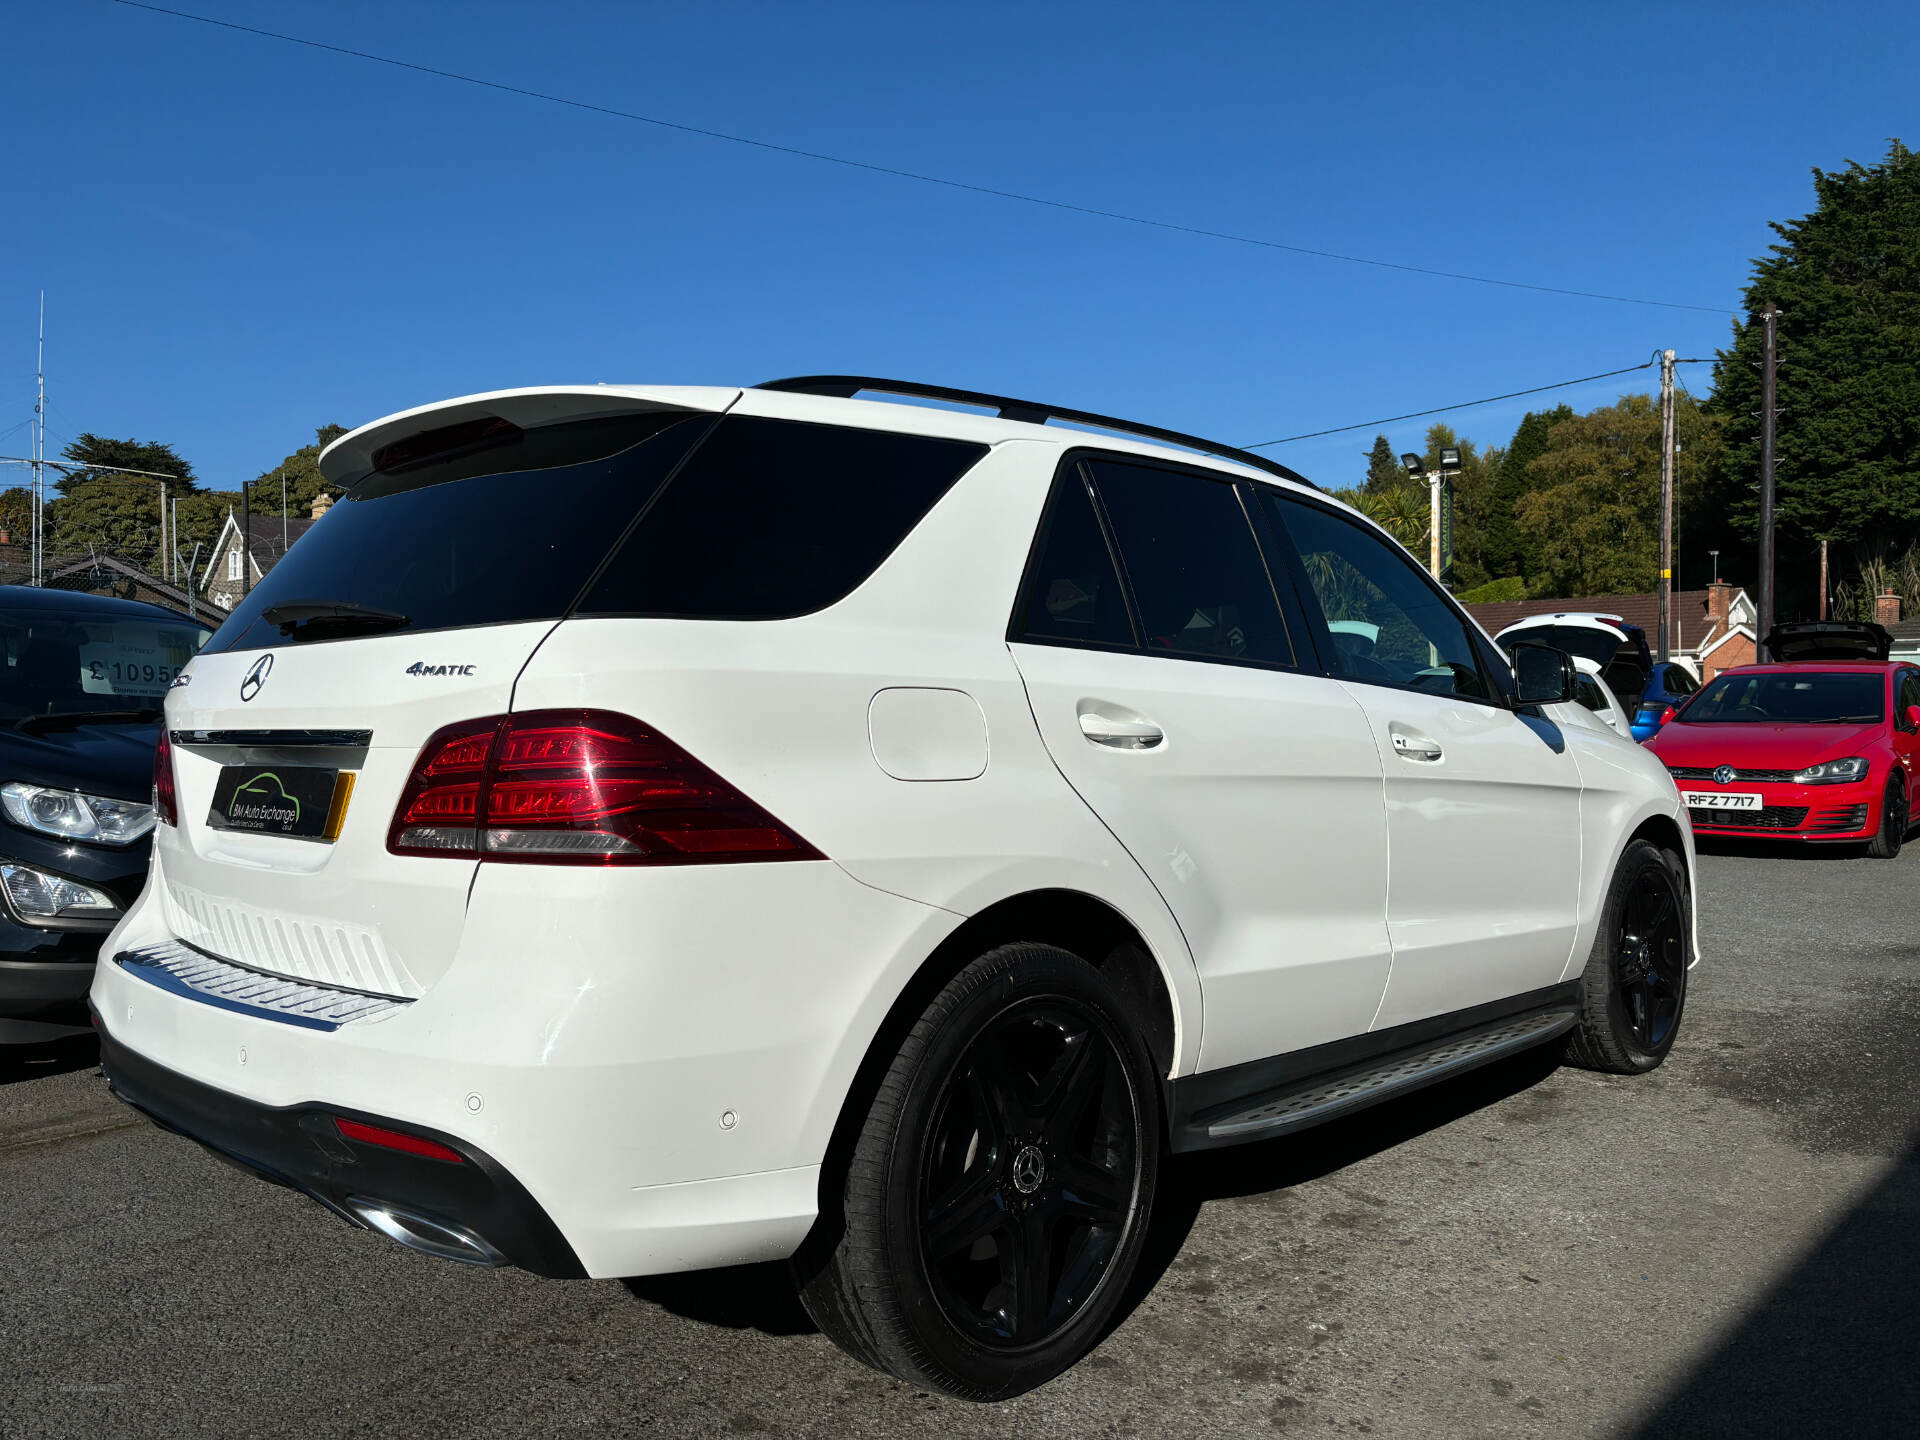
<point x="1909" y="694"/>
<point x="1385" y="621"/>
<point x="1073" y="593"/>
<point x="1199" y="584"/>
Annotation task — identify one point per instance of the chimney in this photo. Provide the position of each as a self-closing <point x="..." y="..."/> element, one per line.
<point x="1719" y="602"/>
<point x="6" y="536"/>
<point x="1886" y="608"/>
<point x="321" y="503"/>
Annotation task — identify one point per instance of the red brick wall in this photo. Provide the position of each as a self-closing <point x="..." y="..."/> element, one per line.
<point x="1737" y="651"/>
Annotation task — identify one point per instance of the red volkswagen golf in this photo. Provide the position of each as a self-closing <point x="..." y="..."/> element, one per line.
<point x="1821" y="745"/>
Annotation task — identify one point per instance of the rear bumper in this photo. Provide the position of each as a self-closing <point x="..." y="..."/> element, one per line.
<point x="657" y="1059"/>
<point x="299" y="1146"/>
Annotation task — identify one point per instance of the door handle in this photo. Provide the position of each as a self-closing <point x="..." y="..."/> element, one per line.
<point x="1412" y="746"/>
<point x="1132" y="734"/>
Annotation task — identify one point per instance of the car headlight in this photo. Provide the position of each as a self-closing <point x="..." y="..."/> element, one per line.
<point x="36" y="895"/>
<point x="1832" y="772"/>
<point x="69" y="815"/>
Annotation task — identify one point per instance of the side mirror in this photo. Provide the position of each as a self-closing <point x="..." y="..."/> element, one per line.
<point x="1913" y="717"/>
<point x="1542" y="675"/>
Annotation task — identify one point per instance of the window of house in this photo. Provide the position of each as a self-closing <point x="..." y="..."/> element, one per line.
<point x="233" y="564"/>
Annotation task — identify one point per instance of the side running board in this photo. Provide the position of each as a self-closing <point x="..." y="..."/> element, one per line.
<point x="1313" y="1099"/>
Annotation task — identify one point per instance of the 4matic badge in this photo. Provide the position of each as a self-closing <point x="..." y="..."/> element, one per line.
<point x="420" y="667"/>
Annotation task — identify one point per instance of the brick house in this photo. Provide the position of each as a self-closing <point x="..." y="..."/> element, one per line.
<point x="271" y="536"/>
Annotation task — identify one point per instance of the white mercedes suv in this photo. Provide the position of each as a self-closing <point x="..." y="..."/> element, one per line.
<point x="641" y="829"/>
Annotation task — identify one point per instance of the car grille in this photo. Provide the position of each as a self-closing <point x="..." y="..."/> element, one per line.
<point x="1768" y="817"/>
<point x="1845" y="817"/>
<point x="1751" y="777"/>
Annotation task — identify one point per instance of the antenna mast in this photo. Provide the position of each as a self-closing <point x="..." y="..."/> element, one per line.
<point x="40" y="448"/>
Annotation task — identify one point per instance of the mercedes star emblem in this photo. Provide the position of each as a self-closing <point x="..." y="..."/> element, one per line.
<point x="1029" y="1169"/>
<point x="256" y="677"/>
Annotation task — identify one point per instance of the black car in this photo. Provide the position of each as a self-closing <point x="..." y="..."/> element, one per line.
<point x="82" y="678"/>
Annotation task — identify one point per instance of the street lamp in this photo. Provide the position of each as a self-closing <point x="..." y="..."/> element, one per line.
<point x="1439" y="500"/>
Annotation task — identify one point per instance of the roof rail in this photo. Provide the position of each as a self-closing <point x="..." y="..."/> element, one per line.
<point x="1031" y="412"/>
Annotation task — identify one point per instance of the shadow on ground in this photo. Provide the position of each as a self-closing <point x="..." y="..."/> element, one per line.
<point x="1834" y="1348"/>
<point x="762" y="1297"/>
<point x="1742" y="848"/>
<point x="1189" y="1181"/>
<point x="36" y="1062"/>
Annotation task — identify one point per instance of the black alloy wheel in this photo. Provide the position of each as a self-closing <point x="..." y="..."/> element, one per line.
<point x="1634" y="989"/>
<point x="1651" y="957"/>
<point x="979" y="1235"/>
<point x="1028" y="1173"/>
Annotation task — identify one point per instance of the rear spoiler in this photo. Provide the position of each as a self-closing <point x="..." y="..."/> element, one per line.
<point x="354" y="455"/>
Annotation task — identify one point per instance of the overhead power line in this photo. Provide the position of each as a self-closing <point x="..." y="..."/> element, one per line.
<point x="1463" y="405"/>
<point x="915" y="175"/>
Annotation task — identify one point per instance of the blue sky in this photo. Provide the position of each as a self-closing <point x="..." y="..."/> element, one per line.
<point x="242" y="239"/>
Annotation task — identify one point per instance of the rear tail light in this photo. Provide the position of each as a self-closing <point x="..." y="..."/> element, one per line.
<point x="166" y="806"/>
<point x="1666" y="714"/>
<point x="577" y="787"/>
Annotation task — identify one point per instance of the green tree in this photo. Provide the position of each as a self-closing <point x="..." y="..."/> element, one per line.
<point x="150" y="455"/>
<point x="301" y="473"/>
<point x="1590" y="519"/>
<point x="16" y="514"/>
<point x="1846" y="278"/>
<point x="1502" y="550"/>
<point x="1384" y="472"/>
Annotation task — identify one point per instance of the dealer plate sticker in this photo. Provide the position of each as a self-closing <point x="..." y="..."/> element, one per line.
<point x="274" y="800"/>
<point x="1720" y="800"/>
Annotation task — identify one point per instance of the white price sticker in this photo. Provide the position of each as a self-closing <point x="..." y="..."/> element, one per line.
<point x="131" y="660"/>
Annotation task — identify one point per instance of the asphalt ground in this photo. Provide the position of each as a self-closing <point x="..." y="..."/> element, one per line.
<point x="1730" y="1246"/>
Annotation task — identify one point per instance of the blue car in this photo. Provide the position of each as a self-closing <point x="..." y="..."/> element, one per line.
<point x="1669" y="684"/>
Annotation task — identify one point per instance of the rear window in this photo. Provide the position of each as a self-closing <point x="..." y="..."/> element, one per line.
<point x="59" y="663"/>
<point x="507" y="534"/>
<point x="773" y="518"/>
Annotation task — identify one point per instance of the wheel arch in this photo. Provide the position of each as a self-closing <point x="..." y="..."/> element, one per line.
<point x="1665" y="832"/>
<point x="1070" y="919"/>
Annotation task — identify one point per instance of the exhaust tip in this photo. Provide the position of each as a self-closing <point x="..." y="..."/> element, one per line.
<point x="420" y="1232"/>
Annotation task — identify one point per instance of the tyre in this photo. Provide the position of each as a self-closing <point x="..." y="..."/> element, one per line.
<point x="996" y="1197"/>
<point x="1635" y="985"/>
<point x="1894" y="820"/>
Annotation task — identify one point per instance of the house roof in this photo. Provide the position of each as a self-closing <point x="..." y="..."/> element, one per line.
<point x="265" y="532"/>
<point x="61" y="582"/>
<point x="1689" y="611"/>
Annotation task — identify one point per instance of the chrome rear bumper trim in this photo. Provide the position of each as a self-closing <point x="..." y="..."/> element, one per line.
<point x="182" y="970"/>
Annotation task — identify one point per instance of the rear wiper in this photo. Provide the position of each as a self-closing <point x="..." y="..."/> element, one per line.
<point x="73" y="719"/>
<point x="332" y="615"/>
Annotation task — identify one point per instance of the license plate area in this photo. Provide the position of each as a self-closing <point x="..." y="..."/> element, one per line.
<point x="303" y="802"/>
<point x="1722" y="800"/>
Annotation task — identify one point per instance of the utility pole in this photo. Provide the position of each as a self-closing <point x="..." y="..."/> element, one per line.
<point x="1769" y="318"/>
<point x="1823" y="577"/>
<point x="1666" y="503"/>
<point x="40" y="446"/>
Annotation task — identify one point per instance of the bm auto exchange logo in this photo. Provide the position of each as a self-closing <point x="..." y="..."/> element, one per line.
<point x="263" y="800"/>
